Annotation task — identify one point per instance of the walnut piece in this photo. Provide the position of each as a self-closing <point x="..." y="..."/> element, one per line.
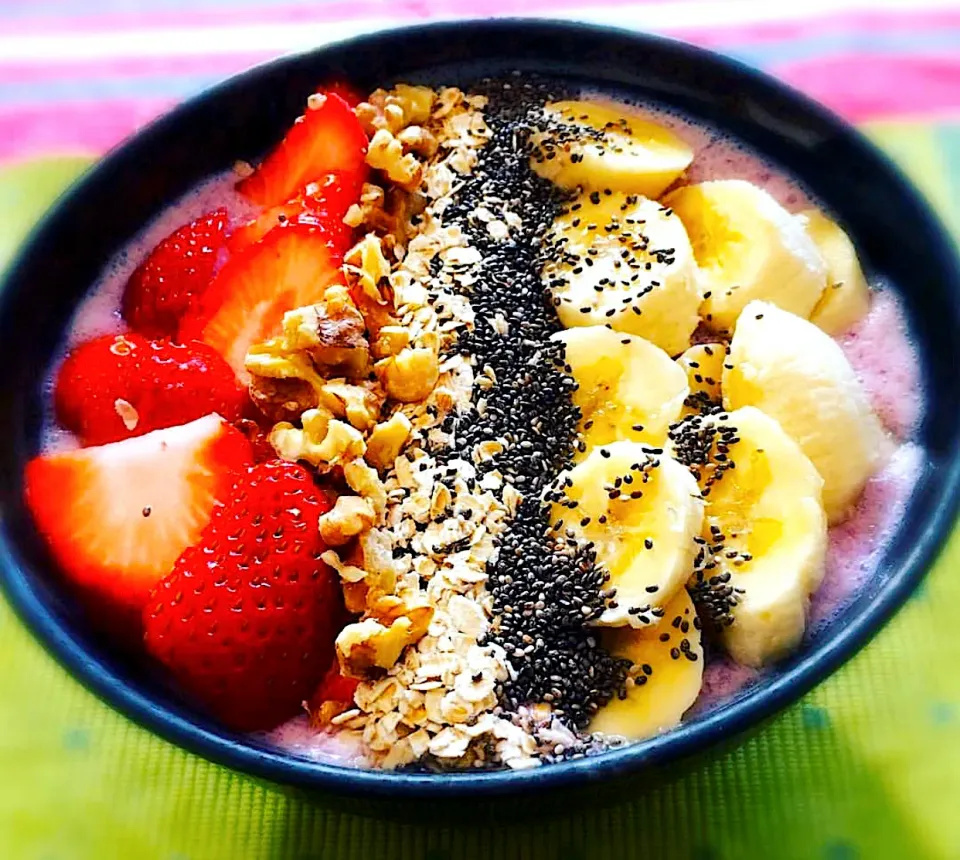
<point x="366" y="644"/>
<point x="365" y="481"/>
<point x="387" y="440"/>
<point x="390" y="340"/>
<point x="350" y="516"/>
<point x="282" y="399"/>
<point x="386" y="153"/>
<point x="410" y="375"/>
<point x="323" y="441"/>
<point x="359" y="405"/>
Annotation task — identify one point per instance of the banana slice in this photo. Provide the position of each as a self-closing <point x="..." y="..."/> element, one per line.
<point x="641" y="510"/>
<point x="621" y="260"/>
<point x="797" y="374"/>
<point x="764" y="531"/>
<point x="748" y="247"/>
<point x="666" y="676"/>
<point x="593" y="146"/>
<point x="703" y="365"/>
<point x="847" y="296"/>
<point x="627" y="388"/>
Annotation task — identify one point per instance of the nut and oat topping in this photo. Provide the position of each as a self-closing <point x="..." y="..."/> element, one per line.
<point x="438" y="467"/>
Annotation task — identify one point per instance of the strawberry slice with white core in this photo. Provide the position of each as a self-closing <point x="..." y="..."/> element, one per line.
<point x="116" y="517"/>
<point x="328" y="138"/>
<point x="290" y="267"/>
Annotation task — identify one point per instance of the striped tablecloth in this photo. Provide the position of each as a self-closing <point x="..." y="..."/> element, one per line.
<point x="867" y="766"/>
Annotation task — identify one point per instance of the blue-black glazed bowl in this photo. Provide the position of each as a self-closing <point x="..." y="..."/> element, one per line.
<point x="896" y="233"/>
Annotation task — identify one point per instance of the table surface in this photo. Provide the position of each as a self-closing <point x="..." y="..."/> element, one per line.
<point x="866" y="766"/>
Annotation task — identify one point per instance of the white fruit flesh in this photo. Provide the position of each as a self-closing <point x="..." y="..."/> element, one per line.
<point x="622" y="261"/>
<point x="602" y="147"/>
<point x="659" y="701"/>
<point x="748" y="247"/>
<point x="627" y="387"/>
<point x="774" y="535"/>
<point x="847" y="296"/>
<point x="643" y="535"/>
<point x="794" y="372"/>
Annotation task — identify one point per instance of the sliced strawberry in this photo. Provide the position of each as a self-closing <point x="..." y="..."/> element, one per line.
<point x="259" y="441"/>
<point x="326" y="139"/>
<point x="323" y="209"/>
<point x="116" y="517"/>
<point x="118" y="386"/>
<point x="245" y="304"/>
<point x="350" y="95"/>
<point x="247" y="619"/>
<point x="177" y="270"/>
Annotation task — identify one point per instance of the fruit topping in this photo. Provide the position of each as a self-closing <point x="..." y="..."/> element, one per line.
<point x="748" y="247"/>
<point x="247" y="619"/>
<point x="322" y="205"/>
<point x="665" y="675"/>
<point x="596" y="147"/>
<point x="245" y="304"/>
<point x="118" y="386"/>
<point x="624" y="261"/>
<point x="797" y="374"/>
<point x="177" y="271"/>
<point x="116" y="517"/>
<point x="327" y="138"/>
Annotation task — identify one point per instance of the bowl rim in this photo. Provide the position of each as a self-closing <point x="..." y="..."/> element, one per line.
<point x="245" y="755"/>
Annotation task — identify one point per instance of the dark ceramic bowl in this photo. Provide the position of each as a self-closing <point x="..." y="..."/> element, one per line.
<point x="897" y="235"/>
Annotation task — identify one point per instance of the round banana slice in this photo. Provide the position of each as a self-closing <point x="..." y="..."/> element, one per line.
<point x="666" y="676"/>
<point x="847" y="296"/>
<point x="641" y="510"/>
<point x="764" y="531"/>
<point x="797" y="374"/>
<point x="594" y="146"/>
<point x="623" y="261"/>
<point x="748" y="247"/>
<point x="703" y="365"/>
<point x="627" y="388"/>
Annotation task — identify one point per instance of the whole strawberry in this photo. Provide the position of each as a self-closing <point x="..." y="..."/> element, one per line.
<point x="247" y="619"/>
<point x="118" y="386"/>
<point x="176" y="272"/>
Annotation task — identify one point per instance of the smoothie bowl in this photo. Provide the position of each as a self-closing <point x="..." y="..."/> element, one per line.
<point x="426" y="414"/>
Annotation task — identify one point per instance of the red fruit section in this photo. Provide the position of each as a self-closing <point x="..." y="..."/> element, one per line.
<point x="310" y="211"/>
<point x="328" y="138"/>
<point x="116" y="517"/>
<point x="176" y="272"/>
<point x="119" y="386"/>
<point x="247" y="620"/>
<point x="289" y="268"/>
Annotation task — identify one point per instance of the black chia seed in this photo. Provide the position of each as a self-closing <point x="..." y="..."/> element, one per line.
<point x="546" y="588"/>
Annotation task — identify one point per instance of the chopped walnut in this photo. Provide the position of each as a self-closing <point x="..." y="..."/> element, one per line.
<point x="397" y="108"/>
<point x="366" y="644"/>
<point x="282" y="399"/>
<point x="350" y="516"/>
<point x="365" y="481"/>
<point x="323" y="442"/>
<point x="390" y="340"/>
<point x="366" y="260"/>
<point x="417" y="139"/>
<point x="358" y="404"/>
<point x="386" y="153"/>
<point x="410" y="375"/>
<point x="387" y="441"/>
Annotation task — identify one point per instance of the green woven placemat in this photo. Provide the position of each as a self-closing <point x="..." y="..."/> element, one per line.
<point x="866" y="766"/>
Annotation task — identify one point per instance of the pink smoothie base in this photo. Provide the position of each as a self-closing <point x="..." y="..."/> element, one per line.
<point x="878" y="348"/>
